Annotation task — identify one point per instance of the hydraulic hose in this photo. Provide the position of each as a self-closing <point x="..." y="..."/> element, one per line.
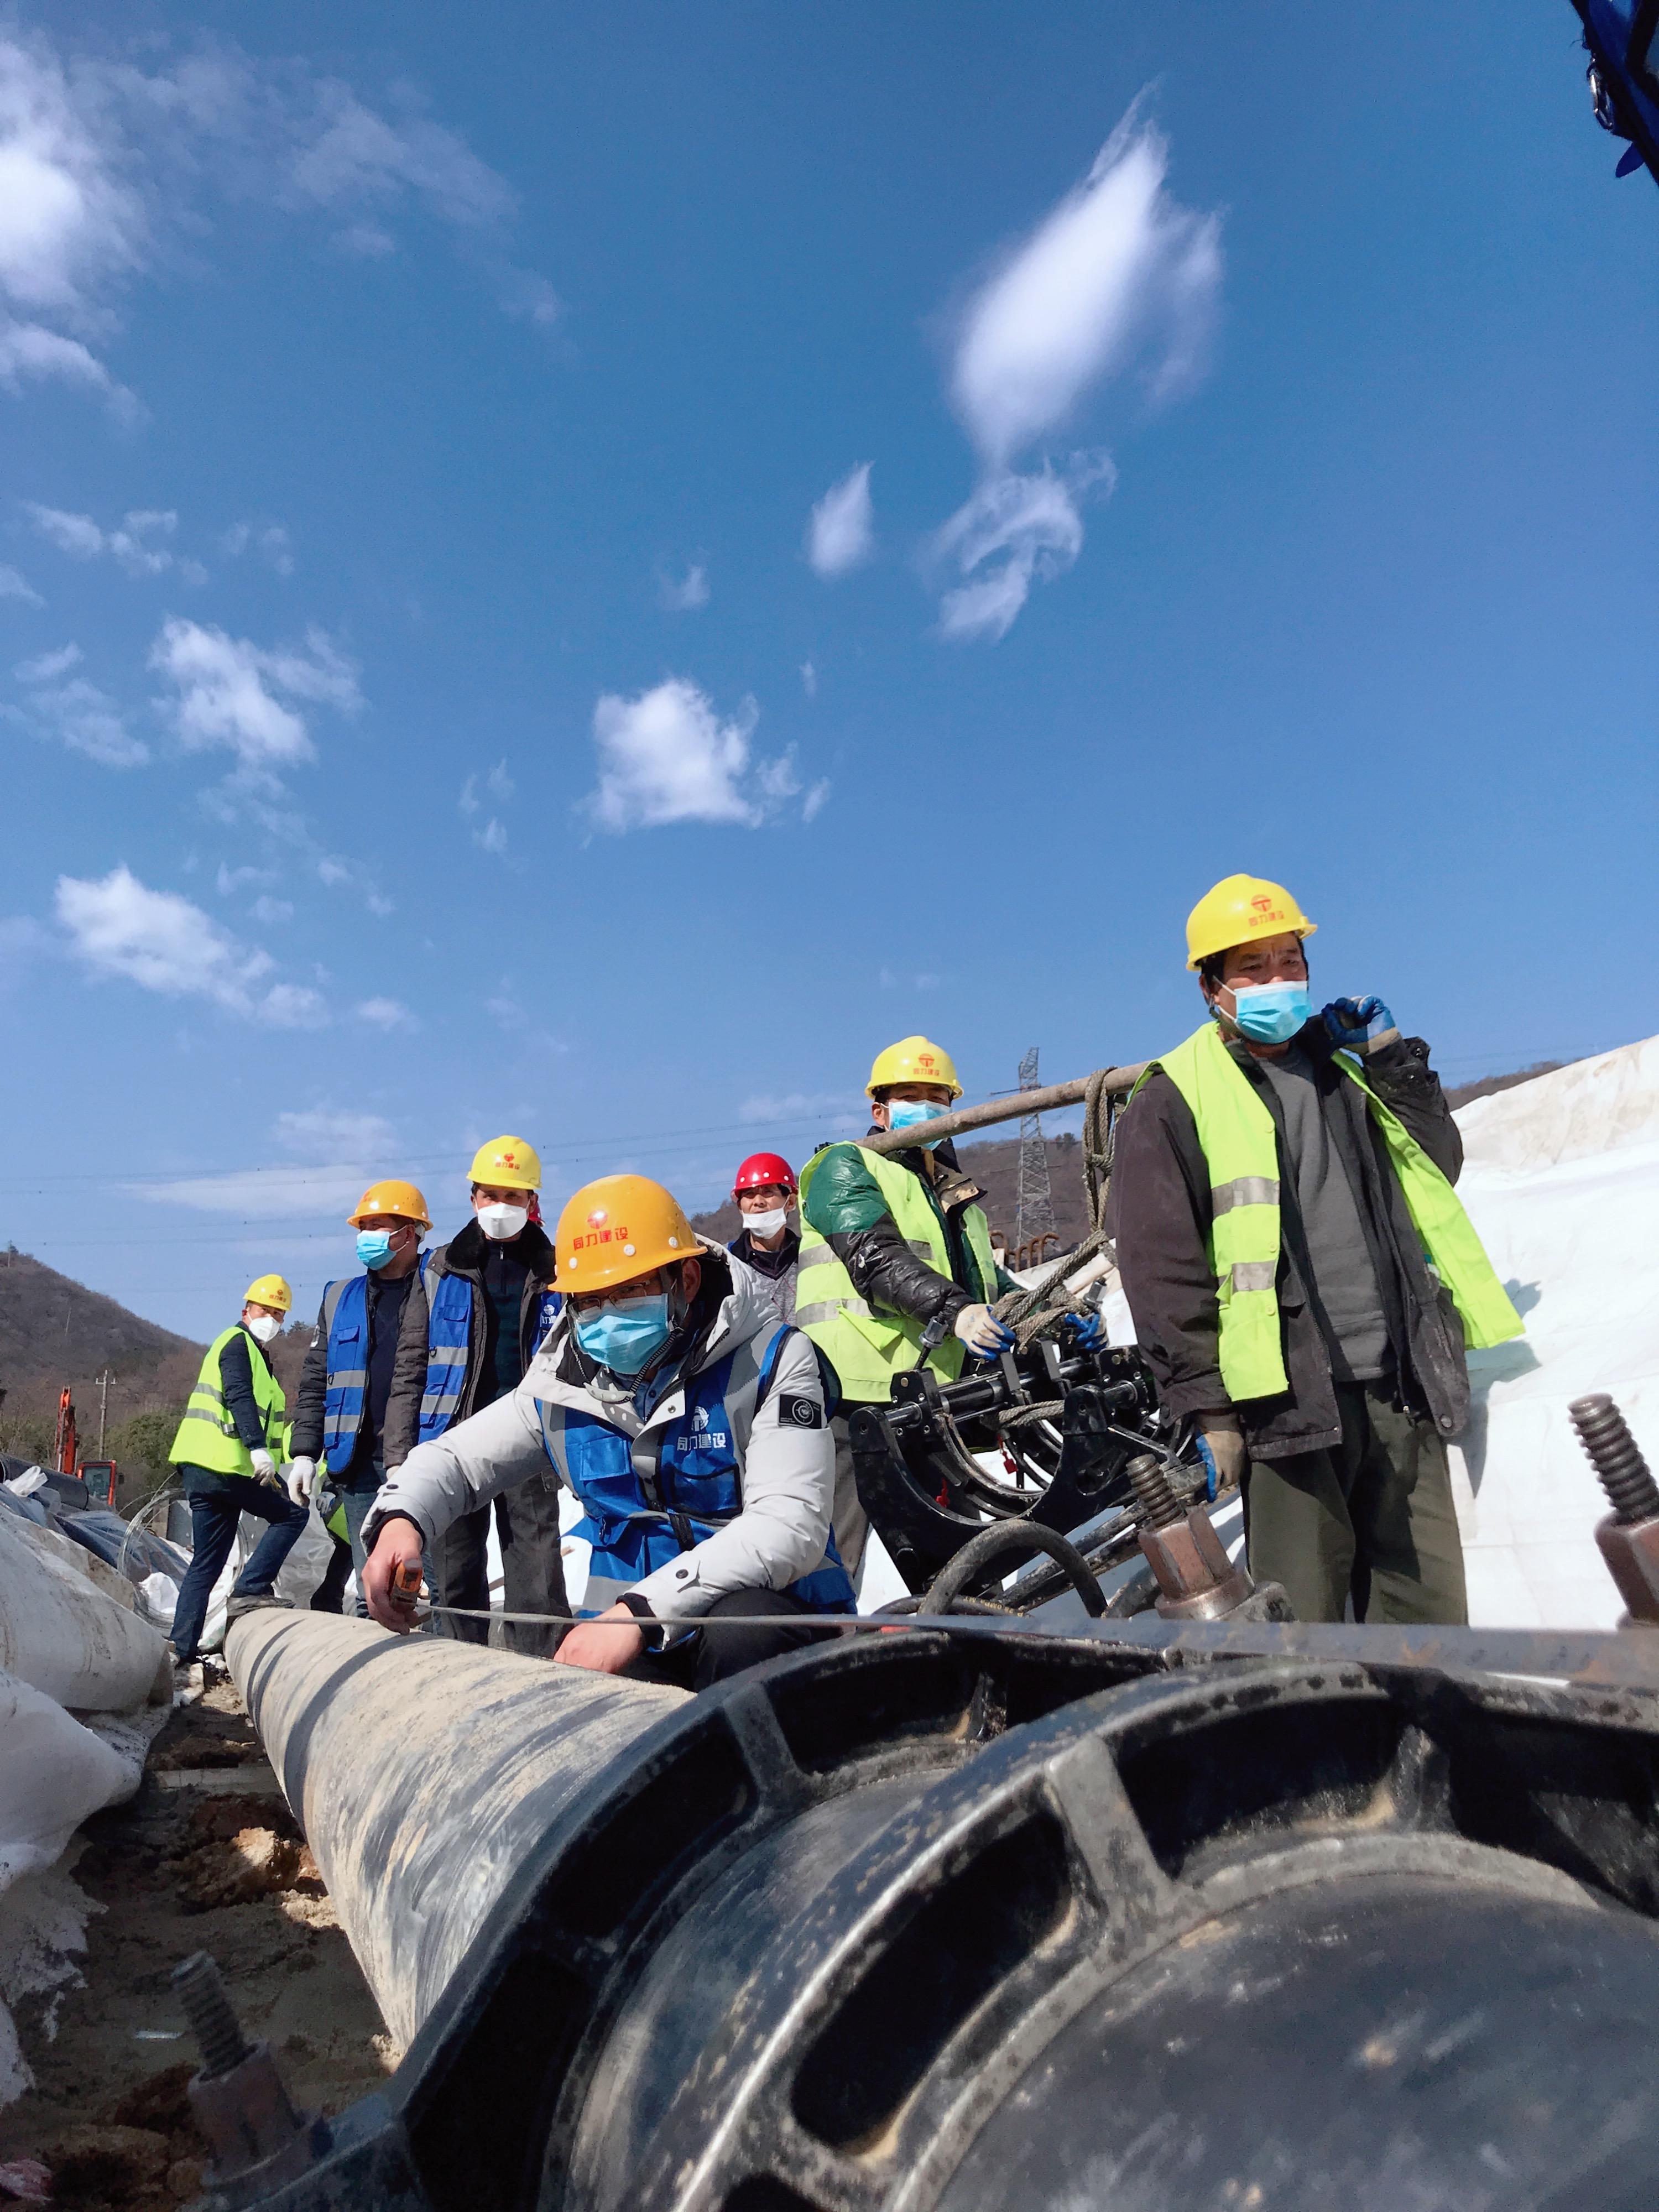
<point x="1013" y="1536"/>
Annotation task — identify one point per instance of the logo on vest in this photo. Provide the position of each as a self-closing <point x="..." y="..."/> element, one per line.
<point x="700" y="1436"/>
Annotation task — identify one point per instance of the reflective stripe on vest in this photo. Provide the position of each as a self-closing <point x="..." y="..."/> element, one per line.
<point x="345" y="1323"/>
<point x="207" y="1436"/>
<point x="647" y="1502"/>
<point x="1240" y="1142"/>
<point x="448" y="1340"/>
<point x="866" y="1345"/>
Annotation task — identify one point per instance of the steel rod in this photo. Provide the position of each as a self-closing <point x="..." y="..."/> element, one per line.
<point x="1007" y="1109"/>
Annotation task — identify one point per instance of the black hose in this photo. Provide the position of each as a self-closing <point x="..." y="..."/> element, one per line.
<point x="992" y="1544"/>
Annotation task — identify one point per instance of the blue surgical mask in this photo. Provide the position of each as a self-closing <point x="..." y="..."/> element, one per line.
<point x="375" y="1247"/>
<point x="911" y="1113"/>
<point x="623" y="1338"/>
<point x="1272" y="1013"/>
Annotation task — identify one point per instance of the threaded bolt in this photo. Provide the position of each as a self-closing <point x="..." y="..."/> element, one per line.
<point x="1616" y="1456"/>
<point x="211" y="2015"/>
<point x="1159" y="1508"/>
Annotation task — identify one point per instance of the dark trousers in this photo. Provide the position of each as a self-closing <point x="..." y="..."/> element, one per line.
<point x="532" y="1568"/>
<point x="715" y="1653"/>
<point x="330" y="1593"/>
<point x="217" y="1503"/>
<point x="1372" y="1519"/>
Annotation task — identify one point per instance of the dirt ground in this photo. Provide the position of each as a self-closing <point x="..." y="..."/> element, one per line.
<point x="180" y="1870"/>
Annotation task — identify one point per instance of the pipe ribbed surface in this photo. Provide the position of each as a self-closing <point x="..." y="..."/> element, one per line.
<point x="421" y="1770"/>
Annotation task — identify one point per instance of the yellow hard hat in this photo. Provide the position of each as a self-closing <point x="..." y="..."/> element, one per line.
<point x="507" y="1163"/>
<point x="1240" y="909"/>
<point x="391" y="1197"/>
<point x="269" y="1290"/>
<point x="914" y="1059"/>
<point x="616" y="1228"/>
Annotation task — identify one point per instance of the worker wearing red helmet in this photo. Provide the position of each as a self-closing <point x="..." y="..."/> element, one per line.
<point x="765" y="1188"/>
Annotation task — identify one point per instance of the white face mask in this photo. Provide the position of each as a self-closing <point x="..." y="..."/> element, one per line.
<point x="766" y="1225"/>
<point x="502" y="1222"/>
<point x="263" y="1327"/>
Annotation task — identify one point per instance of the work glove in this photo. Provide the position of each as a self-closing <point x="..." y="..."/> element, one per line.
<point x="301" y="1479"/>
<point x="265" y="1470"/>
<point x="983" y="1333"/>
<point x="1221" y="1447"/>
<point x="1359" y="1024"/>
<point x="1087" y="1331"/>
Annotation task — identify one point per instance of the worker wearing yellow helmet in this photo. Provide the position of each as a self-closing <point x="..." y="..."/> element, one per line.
<point x="368" y="1322"/>
<point x="896" y="1266"/>
<point x="691" y="1428"/>
<point x="488" y="1301"/>
<point x="1302" y="1277"/>
<point x="226" y="1451"/>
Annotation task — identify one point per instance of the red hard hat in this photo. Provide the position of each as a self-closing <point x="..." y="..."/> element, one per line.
<point x="761" y="1168"/>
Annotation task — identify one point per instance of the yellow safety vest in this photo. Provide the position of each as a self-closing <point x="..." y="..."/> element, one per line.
<point x="1241" y="1149"/>
<point x="207" y="1435"/>
<point x="865" y="1344"/>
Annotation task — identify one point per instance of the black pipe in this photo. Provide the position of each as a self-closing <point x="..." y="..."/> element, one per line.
<point x="1005" y="1539"/>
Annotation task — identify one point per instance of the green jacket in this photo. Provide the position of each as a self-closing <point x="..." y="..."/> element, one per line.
<point x="885" y="1251"/>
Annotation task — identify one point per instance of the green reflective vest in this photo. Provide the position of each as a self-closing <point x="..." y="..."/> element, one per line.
<point x="1241" y="1149"/>
<point x="867" y="1346"/>
<point x="207" y="1435"/>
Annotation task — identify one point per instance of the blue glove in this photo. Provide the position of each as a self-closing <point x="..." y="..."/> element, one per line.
<point x="1210" y="1483"/>
<point x="1359" y="1025"/>
<point x="1087" y="1331"/>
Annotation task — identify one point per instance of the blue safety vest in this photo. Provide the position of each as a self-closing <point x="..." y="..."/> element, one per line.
<point x="648" y="1500"/>
<point x="345" y="1317"/>
<point x="448" y="1337"/>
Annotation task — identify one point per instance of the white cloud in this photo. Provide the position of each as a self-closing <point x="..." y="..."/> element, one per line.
<point x="668" y="756"/>
<point x="15" y="586"/>
<point x="104" y="167"/>
<point x="492" y="838"/>
<point x="384" y="1014"/>
<point x="686" y="595"/>
<point x="76" y="714"/>
<point x="1118" y="277"/>
<point x="269" y="540"/>
<point x="794" y="1106"/>
<point x="133" y="543"/>
<point x="48" y="665"/>
<point x="118" y="927"/>
<point x="270" y="910"/>
<point x="809" y="679"/>
<point x="318" y="1134"/>
<point x="1030" y="526"/>
<point x="225" y="691"/>
<point x="265" y="1194"/>
<point x="841" y="534"/>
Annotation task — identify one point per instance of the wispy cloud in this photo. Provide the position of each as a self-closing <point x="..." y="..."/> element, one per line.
<point x="384" y="1014"/>
<point x="138" y="543"/>
<point x="104" y="167"/>
<point x="322" y="1132"/>
<point x="685" y="595"/>
<point x="225" y="690"/>
<point x="119" y="928"/>
<point x="270" y="541"/>
<point x="667" y="756"/>
<point x="48" y="665"/>
<point x="776" y="1109"/>
<point x="809" y="679"/>
<point x="489" y="837"/>
<point x="841" y="535"/>
<point x="15" y="586"/>
<point x="1119" y="278"/>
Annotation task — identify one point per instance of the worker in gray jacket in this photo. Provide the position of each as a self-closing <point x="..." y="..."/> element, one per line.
<point x="691" y="1426"/>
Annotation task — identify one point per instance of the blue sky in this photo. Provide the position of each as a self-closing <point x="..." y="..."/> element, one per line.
<point x="579" y="570"/>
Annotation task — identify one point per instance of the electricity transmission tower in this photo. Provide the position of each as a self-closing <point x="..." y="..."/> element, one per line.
<point x="1034" y="1206"/>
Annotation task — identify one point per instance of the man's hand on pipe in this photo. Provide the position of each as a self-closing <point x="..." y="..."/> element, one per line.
<point x="610" y="1641"/>
<point x="397" y="1544"/>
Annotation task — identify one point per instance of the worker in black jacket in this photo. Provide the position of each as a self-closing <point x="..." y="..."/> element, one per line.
<point x="1302" y="1277"/>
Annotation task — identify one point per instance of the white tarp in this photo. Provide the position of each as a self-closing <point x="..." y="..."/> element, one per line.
<point x="1561" y="1178"/>
<point x="62" y="1635"/>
